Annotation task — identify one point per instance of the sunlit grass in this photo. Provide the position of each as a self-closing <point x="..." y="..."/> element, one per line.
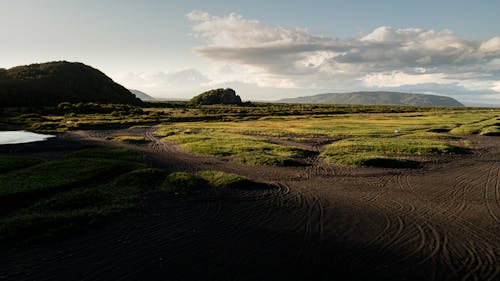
<point x="368" y="159"/>
<point x="131" y="139"/>
<point x="491" y="131"/>
<point x="385" y="152"/>
<point x="476" y="127"/>
<point x="220" y="179"/>
<point x="241" y="148"/>
<point x="392" y="146"/>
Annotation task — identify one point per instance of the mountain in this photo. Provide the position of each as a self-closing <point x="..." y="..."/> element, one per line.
<point x="141" y="95"/>
<point x="55" y="82"/>
<point x="376" y="98"/>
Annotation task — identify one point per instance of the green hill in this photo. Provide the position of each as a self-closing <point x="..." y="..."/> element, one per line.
<point x="376" y="98"/>
<point x="55" y="82"/>
<point x="217" y="96"/>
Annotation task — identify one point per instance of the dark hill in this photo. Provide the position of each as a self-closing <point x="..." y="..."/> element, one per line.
<point x="217" y="96"/>
<point x="377" y="98"/>
<point x="55" y="82"/>
<point x="141" y="95"/>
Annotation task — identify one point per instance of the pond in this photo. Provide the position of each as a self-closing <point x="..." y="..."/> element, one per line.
<point x="14" y="137"/>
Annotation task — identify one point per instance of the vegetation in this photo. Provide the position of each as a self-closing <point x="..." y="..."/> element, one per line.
<point x="218" y="96"/>
<point x="368" y="159"/>
<point x="381" y="151"/>
<point x="9" y="162"/>
<point x="477" y="127"/>
<point x="131" y="139"/>
<point x="241" y="148"/>
<point x="116" y="153"/>
<point x="392" y="145"/>
<point x="183" y="183"/>
<point x="220" y="179"/>
<point x="55" y="82"/>
<point x="57" y="175"/>
<point x="364" y="138"/>
<point x="55" y="197"/>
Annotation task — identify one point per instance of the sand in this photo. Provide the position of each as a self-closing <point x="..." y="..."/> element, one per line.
<point x="317" y="222"/>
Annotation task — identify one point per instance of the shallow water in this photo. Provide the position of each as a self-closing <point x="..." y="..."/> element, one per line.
<point x="13" y="137"/>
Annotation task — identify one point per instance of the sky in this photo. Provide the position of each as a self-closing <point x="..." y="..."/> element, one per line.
<point x="266" y="50"/>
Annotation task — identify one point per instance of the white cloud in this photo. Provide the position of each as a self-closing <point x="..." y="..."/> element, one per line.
<point x="496" y="86"/>
<point x="397" y="79"/>
<point x="491" y="46"/>
<point x="271" y="62"/>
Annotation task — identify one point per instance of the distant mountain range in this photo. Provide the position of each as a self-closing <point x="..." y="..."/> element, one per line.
<point x="141" y="95"/>
<point x="55" y="82"/>
<point x="376" y="98"/>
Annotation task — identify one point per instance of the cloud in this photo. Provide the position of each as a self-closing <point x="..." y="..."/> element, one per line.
<point x="281" y="57"/>
<point x="176" y="84"/>
<point x="496" y="86"/>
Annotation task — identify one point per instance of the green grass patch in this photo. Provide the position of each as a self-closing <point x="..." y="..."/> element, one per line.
<point x="54" y="175"/>
<point x="474" y="128"/>
<point x="107" y="153"/>
<point x="241" y="148"/>
<point x="111" y="196"/>
<point x="384" y="152"/>
<point x="491" y="130"/>
<point x="9" y="162"/>
<point x="392" y="146"/>
<point x="364" y="159"/>
<point x="68" y="211"/>
<point x="220" y="179"/>
<point x="43" y="226"/>
<point x="428" y="135"/>
<point x="183" y="183"/>
<point x="131" y="139"/>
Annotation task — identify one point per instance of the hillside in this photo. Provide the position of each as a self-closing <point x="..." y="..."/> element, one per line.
<point x="141" y="95"/>
<point x="217" y="96"/>
<point x="376" y="98"/>
<point x="54" y="82"/>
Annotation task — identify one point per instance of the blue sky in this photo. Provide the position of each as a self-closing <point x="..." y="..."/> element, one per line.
<point x="266" y="49"/>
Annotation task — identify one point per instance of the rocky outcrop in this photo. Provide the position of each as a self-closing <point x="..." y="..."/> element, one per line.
<point x="217" y="96"/>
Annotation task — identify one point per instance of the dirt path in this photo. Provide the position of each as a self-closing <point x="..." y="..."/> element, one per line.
<point x="320" y="222"/>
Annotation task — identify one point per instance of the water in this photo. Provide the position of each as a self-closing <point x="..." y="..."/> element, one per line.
<point x="13" y="137"/>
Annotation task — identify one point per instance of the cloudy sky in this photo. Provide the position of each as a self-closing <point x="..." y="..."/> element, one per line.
<point x="266" y="51"/>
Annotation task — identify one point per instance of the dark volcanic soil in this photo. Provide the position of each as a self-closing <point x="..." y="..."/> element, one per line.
<point x="318" y="222"/>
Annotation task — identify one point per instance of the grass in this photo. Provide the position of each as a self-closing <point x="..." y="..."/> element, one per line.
<point x="428" y="135"/>
<point x="107" y="197"/>
<point x="220" y="179"/>
<point x="367" y="159"/>
<point x="10" y="162"/>
<point x="106" y="153"/>
<point x="42" y="226"/>
<point x="131" y="139"/>
<point x="183" y="183"/>
<point x="476" y="127"/>
<point x="57" y="197"/>
<point x="241" y="148"/>
<point x="491" y="130"/>
<point x="375" y="135"/>
<point x="384" y="152"/>
<point x="54" y="175"/>
<point x="392" y="146"/>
